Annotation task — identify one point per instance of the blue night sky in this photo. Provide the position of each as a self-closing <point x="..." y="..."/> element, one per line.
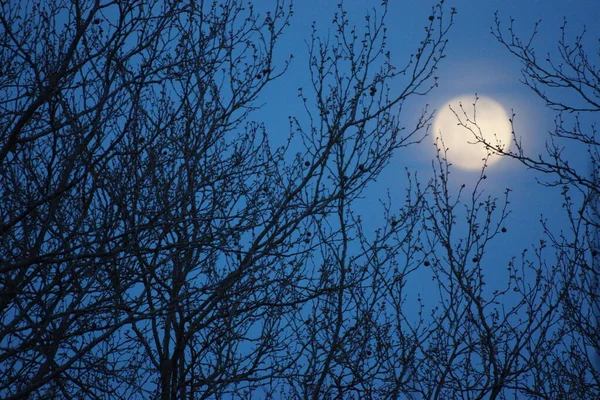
<point x="475" y="63"/>
<point x="186" y="249"/>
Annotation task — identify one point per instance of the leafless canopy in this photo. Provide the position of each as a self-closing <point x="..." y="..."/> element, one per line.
<point x="155" y="243"/>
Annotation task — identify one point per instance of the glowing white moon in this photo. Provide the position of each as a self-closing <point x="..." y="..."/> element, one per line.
<point x="488" y="121"/>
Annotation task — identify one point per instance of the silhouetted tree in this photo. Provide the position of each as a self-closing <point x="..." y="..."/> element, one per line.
<point x="568" y="83"/>
<point x="153" y="244"/>
<point x="156" y="244"/>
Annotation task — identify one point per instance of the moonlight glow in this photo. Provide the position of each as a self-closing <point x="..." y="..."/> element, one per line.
<point x="488" y="121"/>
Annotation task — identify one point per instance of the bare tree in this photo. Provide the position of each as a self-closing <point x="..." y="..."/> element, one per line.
<point x="153" y="244"/>
<point x="568" y="83"/>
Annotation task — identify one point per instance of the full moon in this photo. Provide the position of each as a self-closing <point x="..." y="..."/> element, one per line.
<point x="488" y="120"/>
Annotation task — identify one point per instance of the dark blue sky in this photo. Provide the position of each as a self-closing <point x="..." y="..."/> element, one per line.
<point x="475" y="63"/>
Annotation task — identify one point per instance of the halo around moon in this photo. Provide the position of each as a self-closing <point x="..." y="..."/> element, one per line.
<point x="488" y="120"/>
